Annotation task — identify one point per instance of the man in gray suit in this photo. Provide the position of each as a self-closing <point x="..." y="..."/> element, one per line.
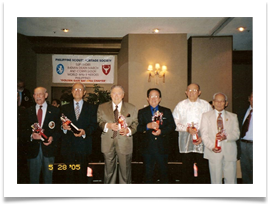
<point x="117" y="142"/>
<point x="221" y="161"/>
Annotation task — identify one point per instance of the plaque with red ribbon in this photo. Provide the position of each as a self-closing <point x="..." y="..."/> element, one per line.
<point x="37" y="129"/>
<point x="68" y="122"/>
<point x="157" y="117"/>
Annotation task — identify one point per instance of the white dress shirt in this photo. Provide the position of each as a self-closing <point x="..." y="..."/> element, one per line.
<point x="184" y="114"/>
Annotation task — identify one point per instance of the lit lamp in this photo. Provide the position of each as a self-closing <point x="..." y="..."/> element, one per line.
<point x="157" y="72"/>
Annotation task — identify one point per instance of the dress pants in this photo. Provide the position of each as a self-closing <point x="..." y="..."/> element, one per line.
<point x="246" y="162"/>
<point x="161" y="160"/>
<point x="111" y="159"/>
<point x="188" y="159"/>
<point x="38" y="164"/>
<point x="228" y="168"/>
<point x="76" y="175"/>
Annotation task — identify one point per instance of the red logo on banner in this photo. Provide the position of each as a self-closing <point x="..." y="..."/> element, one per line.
<point x="106" y="69"/>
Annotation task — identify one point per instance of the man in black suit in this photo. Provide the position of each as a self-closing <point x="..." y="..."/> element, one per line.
<point x="155" y="138"/>
<point x="41" y="153"/>
<point x="76" y="148"/>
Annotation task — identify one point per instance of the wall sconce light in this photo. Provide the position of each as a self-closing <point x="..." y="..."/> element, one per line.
<point x="157" y="72"/>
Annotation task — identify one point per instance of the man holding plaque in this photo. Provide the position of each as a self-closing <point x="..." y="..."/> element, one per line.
<point x="76" y="144"/>
<point x="41" y="140"/>
<point x="187" y="116"/>
<point x="219" y="130"/>
<point x="156" y="123"/>
<point x="116" y="139"/>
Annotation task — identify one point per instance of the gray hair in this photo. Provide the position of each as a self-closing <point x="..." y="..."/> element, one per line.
<point x="214" y="96"/>
<point x="117" y="86"/>
<point x="84" y="88"/>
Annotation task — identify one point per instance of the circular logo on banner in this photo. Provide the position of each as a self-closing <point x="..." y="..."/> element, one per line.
<point x="60" y="69"/>
<point x="26" y="98"/>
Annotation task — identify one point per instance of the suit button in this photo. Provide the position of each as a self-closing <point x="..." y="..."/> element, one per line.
<point x="155" y="138"/>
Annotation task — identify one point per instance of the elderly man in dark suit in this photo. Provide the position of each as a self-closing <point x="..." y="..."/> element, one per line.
<point x="116" y="141"/>
<point x="76" y="147"/>
<point x="155" y="140"/>
<point x="41" y="153"/>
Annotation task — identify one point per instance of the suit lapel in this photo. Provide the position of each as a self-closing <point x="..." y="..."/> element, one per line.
<point x="148" y="114"/>
<point x="110" y="111"/>
<point x="226" y="120"/>
<point x="72" y="112"/>
<point x="124" y="110"/>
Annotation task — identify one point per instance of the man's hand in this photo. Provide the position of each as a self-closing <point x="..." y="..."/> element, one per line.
<point x="123" y="131"/>
<point x="36" y="136"/>
<point x="49" y="141"/>
<point x="153" y="125"/>
<point x="113" y="126"/>
<point x="82" y="132"/>
<point x="198" y="141"/>
<point x="66" y="127"/>
<point x="216" y="150"/>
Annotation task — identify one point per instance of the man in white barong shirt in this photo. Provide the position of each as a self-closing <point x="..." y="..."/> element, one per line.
<point x="185" y="113"/>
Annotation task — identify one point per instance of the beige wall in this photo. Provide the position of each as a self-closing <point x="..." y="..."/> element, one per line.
<point x="144" y="49"/>
<point x="211" y="65"/>
<point x="123" y="67"/>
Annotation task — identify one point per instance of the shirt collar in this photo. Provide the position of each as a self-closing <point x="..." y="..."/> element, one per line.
<point x="44" y="105"/>
<point x="152" y="108"/>
<point x="197" y="101"/>
<point x="80" y="102"/>
<point x="119" y="106"/>
<point x="222" y="112"/>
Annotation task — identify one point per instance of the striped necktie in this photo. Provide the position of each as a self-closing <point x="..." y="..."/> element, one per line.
<point x="77" y="111"/>
<point x="220" y="122"/>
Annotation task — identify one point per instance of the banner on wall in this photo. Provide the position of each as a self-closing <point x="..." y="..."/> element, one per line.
<point x="96" y="69"/>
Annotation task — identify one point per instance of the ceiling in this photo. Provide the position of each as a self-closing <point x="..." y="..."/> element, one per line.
<point x="118" y="27"/>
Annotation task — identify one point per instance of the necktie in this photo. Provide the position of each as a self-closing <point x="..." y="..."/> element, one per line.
<point x="246" y="125"/>
<point x="116" y="120"/>
<point x="154" y="110"/>
<point x="219" y="122"/>
<point x="39" y="115"/>
<point x="77" y="110"/>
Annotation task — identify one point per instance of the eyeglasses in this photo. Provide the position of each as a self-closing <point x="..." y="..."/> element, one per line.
<point x="153" y="96"/>
<point x="192" y="90"/>
<point x="77" y="89"/>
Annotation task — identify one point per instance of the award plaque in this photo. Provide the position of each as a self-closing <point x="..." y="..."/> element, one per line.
<point x="68" y="122"/>
<point x="157" y="117"/>
<point x="122" y="121"/>
<point x="37" y="129"/>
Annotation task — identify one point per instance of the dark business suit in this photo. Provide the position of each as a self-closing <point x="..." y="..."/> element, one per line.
<point x="155" y="149"/>
<point x="75" y="150"/>
<point x="51" y="126"/>
<point x="52" y="115"/>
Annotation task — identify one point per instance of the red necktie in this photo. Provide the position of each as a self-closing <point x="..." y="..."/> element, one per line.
<point x="116" y="120"/>
<point x="246" y="125"/>
<point x="39" y="115"/>
<point x="220" y="122"/>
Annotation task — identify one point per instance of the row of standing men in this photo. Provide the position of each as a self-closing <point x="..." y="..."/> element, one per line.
<point x="190" y="117"/>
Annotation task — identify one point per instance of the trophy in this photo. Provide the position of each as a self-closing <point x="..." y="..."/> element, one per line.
<point x="157" y="117"/>
<point x="68" y="122"/>
<point x="122" y="121"/>
<point x="37" y="129"/>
